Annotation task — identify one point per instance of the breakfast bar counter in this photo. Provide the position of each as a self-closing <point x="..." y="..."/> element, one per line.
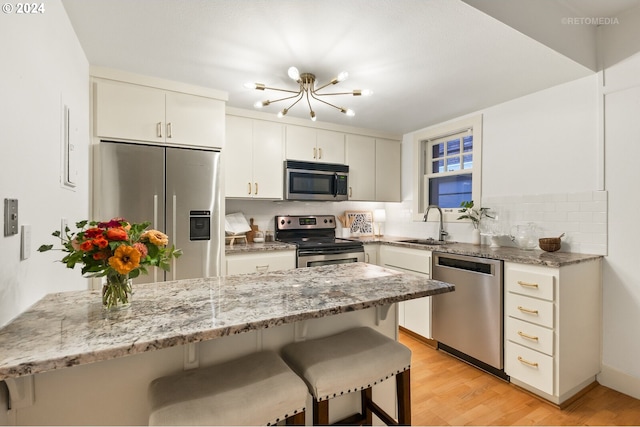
<point x="71" y="329"/>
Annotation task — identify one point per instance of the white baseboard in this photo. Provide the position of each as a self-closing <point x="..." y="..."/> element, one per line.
<point x="619" y="381"/>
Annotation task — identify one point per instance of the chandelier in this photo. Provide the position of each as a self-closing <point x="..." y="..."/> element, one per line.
<point x="307" y="89"/>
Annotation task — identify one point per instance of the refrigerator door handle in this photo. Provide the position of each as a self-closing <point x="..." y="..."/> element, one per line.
<point x="174" y="222"/>
<point x="155" y="226"/>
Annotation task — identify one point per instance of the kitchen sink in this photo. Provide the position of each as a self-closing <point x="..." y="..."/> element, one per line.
<point x="429" y="242"/>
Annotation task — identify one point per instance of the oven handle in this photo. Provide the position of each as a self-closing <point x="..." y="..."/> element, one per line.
<point x="307" y="252"/>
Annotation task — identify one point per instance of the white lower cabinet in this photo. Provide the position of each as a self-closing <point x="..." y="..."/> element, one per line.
<point x="414" y="315"/>
<point x="260" y="262"/>
<point x="371" y="254"/>
<point x="552" y="327"/>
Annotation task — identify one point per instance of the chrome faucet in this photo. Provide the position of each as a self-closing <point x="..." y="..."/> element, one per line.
<point x="441" y="233"/>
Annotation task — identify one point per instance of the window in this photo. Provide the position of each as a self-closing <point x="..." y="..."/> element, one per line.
<point x="448" y="166"/>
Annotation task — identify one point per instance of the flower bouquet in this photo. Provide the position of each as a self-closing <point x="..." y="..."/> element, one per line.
<point x="116" y="250"/>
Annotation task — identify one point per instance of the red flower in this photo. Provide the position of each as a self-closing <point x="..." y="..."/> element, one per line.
<point x="101" y="255"/>
<point x="93" y="232"/>
<point x="113" y="223"/>
<point x="87" y="245"/>
<point x="101" y="242"/>
<point x="117" y="233"/>
<point x="142" y="248"/>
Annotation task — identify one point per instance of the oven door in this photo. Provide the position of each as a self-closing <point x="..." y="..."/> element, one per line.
<point x="311" y="258"/>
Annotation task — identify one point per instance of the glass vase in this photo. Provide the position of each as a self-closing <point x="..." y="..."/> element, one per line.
<point x="116" y="292"/>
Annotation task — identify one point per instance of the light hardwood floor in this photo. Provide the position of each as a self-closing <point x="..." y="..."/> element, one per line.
<point x="446" y="391"/>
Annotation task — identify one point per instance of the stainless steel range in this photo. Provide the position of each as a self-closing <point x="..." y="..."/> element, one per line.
<point x="315" y="237"/>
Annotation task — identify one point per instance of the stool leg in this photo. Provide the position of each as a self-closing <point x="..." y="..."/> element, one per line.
<point x="296" y="420"/>
<point x="321" y="412"/>
<point x="403" y="390"/>
<point x="367" y="396"/>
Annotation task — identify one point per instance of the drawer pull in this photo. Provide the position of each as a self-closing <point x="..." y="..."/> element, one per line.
<point x="529" y="337"/>
<point x="528" y="285"/>
<point x="526" y="362"/>
<point x="527" y="310"/>
<point x="262" y="268"/>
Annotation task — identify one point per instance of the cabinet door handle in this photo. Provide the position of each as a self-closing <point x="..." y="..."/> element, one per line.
<point x="262" y="268"/>
<point x="315" y="152"/>
<point x="350" y="191"/>
<point x="320" y="153"/>
<point x="527" y="336"/>
<point x="528" y="285"/>
<point x="366" y="257"/>
<point x="169" y="133"/>
<point x="526" y="362"/>
<point x="256" y="184"/>
<point x="527" y="310"/>
<point x="159" y="129"/>
<point x="249" y="184"/>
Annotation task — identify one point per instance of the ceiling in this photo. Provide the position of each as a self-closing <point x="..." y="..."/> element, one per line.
<point x="426" y="61"/>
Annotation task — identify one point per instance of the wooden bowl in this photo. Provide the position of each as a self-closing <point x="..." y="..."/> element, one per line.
<point x="549" y="244"/>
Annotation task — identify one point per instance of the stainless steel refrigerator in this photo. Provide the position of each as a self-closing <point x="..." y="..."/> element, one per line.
<point x="176" y="189"/>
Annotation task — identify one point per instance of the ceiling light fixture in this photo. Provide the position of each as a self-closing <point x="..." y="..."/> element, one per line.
<point x="307" y="89"/>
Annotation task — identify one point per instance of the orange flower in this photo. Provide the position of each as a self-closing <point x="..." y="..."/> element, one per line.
<point x="156" y="237"/>
<point x="101" y="242"/>
<point x="87" y="245"/>
<point x="117" y="233"/>
<point x="125" y="259"/>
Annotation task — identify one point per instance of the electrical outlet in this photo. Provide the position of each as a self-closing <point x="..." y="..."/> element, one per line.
<point x="10" y="217"/>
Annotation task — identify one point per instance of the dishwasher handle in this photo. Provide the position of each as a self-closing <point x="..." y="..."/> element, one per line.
<point x="461" y="262"/>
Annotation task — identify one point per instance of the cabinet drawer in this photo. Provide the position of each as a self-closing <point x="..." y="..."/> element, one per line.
<point x="530" y="309"/>
<point x="260" y="263"/>
<point x="530" y="367"/>
<point x="529" y="335"/>
<point x="415" y="260"/>
<point x="530" y="283"/>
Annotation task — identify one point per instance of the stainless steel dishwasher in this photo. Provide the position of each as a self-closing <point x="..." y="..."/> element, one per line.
<point x="468" y="323"/>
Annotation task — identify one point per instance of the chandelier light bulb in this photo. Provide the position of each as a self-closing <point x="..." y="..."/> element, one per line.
<point x="294" y="73"/>
<point x="258" y="104"/>
<point x="250" y="85"/>
<point x="282" y="113"/>
<point x="313" y="115"/>
<point x="366" y="92"/>
<point x="342" y="76"/>
<point x="350" y="112"/>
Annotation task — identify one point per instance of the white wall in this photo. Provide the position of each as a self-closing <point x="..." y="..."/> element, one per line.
<point x="621" y="293"/>
<point x="43" y="66"/>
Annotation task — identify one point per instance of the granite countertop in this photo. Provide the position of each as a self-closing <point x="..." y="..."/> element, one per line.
<point x="71" y="328"/>
<point x="239" y="247"/>
<point x="504" y="253"/>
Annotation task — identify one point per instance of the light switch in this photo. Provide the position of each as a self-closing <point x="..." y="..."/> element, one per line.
<point x="25" y="247"/>
<point x="10" y="217"/>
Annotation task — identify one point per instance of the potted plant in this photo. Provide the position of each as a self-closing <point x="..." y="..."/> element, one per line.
<point x="475" y="215"/>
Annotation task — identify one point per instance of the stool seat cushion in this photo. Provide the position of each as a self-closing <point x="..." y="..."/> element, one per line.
<point x="256" y="389"/>
<point x="346" y="362"/>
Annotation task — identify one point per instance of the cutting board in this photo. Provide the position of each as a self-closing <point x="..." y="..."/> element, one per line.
<point x="252" y="232"/>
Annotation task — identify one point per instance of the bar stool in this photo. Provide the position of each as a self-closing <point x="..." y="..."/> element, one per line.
<point x="257" y="389"/>
<point x="354" y="360"/>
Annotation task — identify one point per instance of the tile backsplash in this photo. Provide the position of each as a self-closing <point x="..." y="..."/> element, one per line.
<point x="581" y="216"/>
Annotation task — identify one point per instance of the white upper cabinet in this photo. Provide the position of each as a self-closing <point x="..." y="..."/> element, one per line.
<point x="253" y="159"/>
<point x="374" y="169"/>
<point x="314" y="145"/>
<point x="134" y="112"/>
<point x="388" y="171"/>
<point x="361" y="158"/>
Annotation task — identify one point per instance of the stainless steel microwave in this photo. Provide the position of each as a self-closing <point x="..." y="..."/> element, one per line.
<point x="315" y="181"/>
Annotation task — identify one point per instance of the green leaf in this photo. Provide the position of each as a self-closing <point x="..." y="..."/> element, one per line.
<point x="45" y="248"/>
